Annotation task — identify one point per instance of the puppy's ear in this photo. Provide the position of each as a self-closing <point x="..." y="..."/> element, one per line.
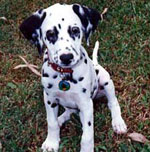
<point x="89" y="19"/>
<point x="32" y="31"/>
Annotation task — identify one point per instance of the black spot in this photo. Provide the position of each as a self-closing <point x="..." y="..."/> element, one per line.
<point x="52" y="35"/>
<point x="48" y="102"/>
<point x="74" y="49"/>
<point x="54" y="105"/>
<point x="59" y="26"/>
<point x="83" y="90"/>
<point x="85" y="61"/>
<point x="97" y="71"/>
<point x="57" y="99"/>
<point x="101" y="88"/>
<point x="81" y="78"/>
<point x="61" y="38"/>
<point x="63" y="19"/>
<point x="46" y="52"/>
<point x="83" y="54"/>
<point x="89" y="123"/>
<point x="67" y="40"/>
<point x="47" y="94"/>
<point x="106" y="83"/>
<point x="55" y="76"/>
<point x="40" y="33"/>
<point x="68" y="49"/>
<point x="95" y="87"/>
<point x="49" y="86"/>
<point x="45" y="60"/>
<point x="44" y="74"/>
<point x="71" y="79"/>
<point x="40" y="11"/>
<point x="74" y="81"/>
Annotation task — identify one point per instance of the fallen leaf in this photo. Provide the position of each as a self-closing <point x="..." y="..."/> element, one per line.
<point x="138" y="137"/>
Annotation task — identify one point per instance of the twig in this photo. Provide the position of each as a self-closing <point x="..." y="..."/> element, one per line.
<point x="30" y="66"/>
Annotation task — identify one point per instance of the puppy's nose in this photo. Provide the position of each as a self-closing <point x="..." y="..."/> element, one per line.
<point x="66" y="58"/>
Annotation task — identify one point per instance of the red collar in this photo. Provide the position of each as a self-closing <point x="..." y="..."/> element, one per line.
<point x="60" y="69"/>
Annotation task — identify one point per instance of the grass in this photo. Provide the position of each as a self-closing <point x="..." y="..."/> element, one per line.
<point x="124" y="52"/>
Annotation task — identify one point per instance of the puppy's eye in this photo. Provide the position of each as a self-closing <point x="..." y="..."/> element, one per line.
<point x="75" y="30"/>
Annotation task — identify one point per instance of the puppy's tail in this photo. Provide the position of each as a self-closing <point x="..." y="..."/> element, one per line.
<point x="95" y="52"/>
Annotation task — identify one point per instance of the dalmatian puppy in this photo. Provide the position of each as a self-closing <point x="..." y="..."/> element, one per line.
<point x="69" y="77"/>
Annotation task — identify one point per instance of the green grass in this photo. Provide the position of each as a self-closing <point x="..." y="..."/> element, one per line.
<point x="124" y="52"/>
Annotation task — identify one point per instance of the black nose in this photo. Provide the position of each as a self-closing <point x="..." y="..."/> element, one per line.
<point x="66" y="58"/>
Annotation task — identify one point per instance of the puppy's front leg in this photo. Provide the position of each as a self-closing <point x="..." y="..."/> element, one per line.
<point x="118" y="123"/>
<point x="52" y="141"/>
<point x="86" y="116"/>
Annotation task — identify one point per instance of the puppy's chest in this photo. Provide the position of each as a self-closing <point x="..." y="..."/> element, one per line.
<point x="68" y="88"/>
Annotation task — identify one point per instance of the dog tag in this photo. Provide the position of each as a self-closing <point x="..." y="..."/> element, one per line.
<point x="64" y="85"/>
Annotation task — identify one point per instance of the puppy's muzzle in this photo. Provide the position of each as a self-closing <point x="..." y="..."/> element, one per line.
<point x="66" y="59"/>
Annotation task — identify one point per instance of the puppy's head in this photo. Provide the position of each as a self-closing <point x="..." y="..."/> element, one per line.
<point x="61" y="29"/>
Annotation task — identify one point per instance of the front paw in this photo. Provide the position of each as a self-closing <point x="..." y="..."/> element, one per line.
<point x="119" y="125"/>
<point x="50" y="146"/>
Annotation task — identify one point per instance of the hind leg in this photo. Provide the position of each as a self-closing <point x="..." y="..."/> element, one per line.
<point x="107" y="88"/>
<point x="65" y="116"/>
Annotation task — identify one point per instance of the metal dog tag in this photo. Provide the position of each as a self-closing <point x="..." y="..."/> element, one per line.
<point x="64" y="85"/>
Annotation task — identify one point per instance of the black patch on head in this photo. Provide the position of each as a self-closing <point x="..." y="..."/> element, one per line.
<point x="48" y="102"/>
<point x="59" y="26"/>
<point x="52" y="35"/>
<point x="81" y="78"/>
<point x="106" y="83"/>
<point x="97" y="71"/>
<point x="83" y="90"/>
<point x="85" y="61"/>
<point x="63" y="19"/>
<point x="49" y="86"/>
<point x="87" y="16"/>
<point x="89" y="123"/>
<point x="70" y="33"/>
<point x="44" y="74"/>
<point x="54" y="105"/>
<point x="55" y="76"/>
<point x="74" y="32"/>
<point x="30" y="28"/>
